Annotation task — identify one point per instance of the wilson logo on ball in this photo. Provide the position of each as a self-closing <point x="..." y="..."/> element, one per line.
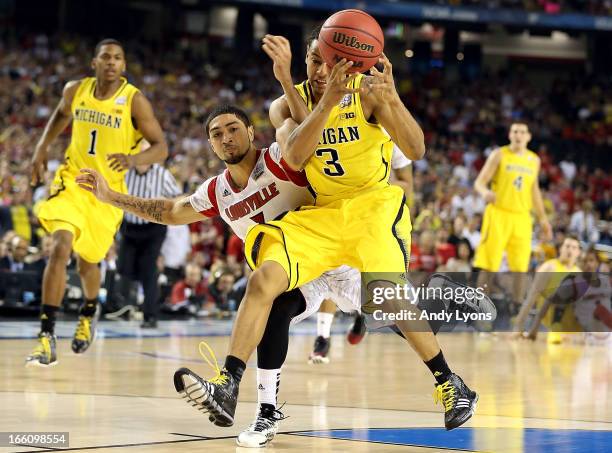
<point x="351" y="41"/>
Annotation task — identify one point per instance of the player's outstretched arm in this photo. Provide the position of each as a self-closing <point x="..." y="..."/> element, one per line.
<point x="485" y="176"/>
<point x="147" y="124"/>
<point x="390" y="111"/>
<point x="303" y="140"/>
<point x="291" y="104"/>
<point x="159" y="210"/>
<point x="540" y="283"/>
<point x="60" y="118"/>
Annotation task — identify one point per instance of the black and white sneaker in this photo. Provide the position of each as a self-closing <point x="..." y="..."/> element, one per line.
<point x="263" y="429"/>
<point x="474" y="302"/>
<point x="216" y="397"/>
<point x="320" y="352"/>
<point x="458" y="400"/>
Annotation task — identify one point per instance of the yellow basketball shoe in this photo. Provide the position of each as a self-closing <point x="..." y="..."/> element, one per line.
<point x="44" y="354"/>
<point x="555" y="335"/>
<point x="85" y="332"/>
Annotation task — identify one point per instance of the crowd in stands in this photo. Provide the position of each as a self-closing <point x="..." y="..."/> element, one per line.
<point x="571" y="121"/>
<point x="598" y="7"/>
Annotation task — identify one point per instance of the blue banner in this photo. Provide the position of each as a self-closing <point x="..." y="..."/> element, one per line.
<point x="423" y="11"/>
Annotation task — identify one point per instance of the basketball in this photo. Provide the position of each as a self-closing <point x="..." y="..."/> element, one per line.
<point x="354" y="35"/>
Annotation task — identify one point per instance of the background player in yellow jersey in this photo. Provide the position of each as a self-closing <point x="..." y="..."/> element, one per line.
<point x="358" y="220"/>
<point x="507" y="226"/>
<point x="109" y="119"/>
<point x="548" y="277"/>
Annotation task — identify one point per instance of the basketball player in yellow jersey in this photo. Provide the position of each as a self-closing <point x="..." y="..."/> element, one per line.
<point x="109" y="119"/>
<point x="513" y="172"/>
<point x="358" y="220"/>
<point x="547" y="279"/>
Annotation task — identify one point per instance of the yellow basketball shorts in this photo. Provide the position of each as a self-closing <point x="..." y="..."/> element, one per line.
<point x="370" y="232"/>
<point x="504" y="231"/>
<point x="92" y="223"/>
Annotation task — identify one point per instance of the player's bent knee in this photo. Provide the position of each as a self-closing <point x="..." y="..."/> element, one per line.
<point x="61" y="249"/>
<point x="85" y="267"/>
<point x="266" y="283"/>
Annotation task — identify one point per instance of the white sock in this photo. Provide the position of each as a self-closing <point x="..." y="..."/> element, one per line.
<point x="268" y="382"/>
<point x="324" y="323"/>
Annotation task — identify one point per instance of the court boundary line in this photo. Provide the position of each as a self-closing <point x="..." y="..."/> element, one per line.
<point x="301" y="434"/>
<point x="421" y="411"/>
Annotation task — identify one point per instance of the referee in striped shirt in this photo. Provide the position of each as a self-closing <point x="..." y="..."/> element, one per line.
<point x="141" y="241"/>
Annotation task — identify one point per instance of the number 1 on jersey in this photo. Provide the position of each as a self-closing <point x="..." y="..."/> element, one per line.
<point x="92" y="144"/>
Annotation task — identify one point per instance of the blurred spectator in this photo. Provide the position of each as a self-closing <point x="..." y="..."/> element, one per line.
<point x="457" y="232"/>
<point x="444" y="249"/>
<point x="423" y="256"/>
<point x="191" y="293"/>
<point x="18" y="259"/>
<point x="582" y="223"/>
<point x="207" y="239"/>
<point x="221" y="290"/>
<point x="462" y="262"/>
<point x="234" y="251"/>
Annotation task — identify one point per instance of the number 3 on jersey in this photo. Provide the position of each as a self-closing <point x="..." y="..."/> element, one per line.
<point x="333" y="161"/>
<point x="92" y="144"/>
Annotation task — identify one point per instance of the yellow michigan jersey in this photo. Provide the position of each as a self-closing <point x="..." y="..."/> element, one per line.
<point x="507" y="223"/>
<point x="514" y="179"/>
<point x="568" y="320"/>
<point x="99" y="128"/>
<point x="353" y="154"/>
<point x="359" y="219"/>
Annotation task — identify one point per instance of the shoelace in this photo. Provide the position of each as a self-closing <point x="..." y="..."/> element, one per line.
<point x="83" y="330"/>
<point x="445" y="393"/>
<point x="220" y="378"/>
<point x="266" y="421"/>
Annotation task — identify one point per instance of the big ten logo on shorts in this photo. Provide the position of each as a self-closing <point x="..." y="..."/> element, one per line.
<point x="347" y="115"/>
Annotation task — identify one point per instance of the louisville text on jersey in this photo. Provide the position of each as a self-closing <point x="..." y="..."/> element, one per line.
<point x="252" y="202"/>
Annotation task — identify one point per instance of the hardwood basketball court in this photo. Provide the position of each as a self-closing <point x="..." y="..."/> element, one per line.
<point x="375" y="396"/>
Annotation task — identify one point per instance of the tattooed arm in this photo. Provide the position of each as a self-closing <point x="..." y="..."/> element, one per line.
<point x="159" y="210"/>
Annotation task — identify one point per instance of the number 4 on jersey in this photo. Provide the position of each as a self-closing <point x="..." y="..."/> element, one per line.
<point x="518" y="182"/>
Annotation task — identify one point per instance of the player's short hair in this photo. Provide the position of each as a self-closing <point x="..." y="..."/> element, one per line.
<point x="573" y="237"/>
<point x="314" y="35"/>
<point x="106" y="42"/>
<point x="224" y="109"/>
<point x="521" y="123"/>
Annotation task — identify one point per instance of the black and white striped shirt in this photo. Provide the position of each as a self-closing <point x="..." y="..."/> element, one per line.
<point x="157" y="182"/>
